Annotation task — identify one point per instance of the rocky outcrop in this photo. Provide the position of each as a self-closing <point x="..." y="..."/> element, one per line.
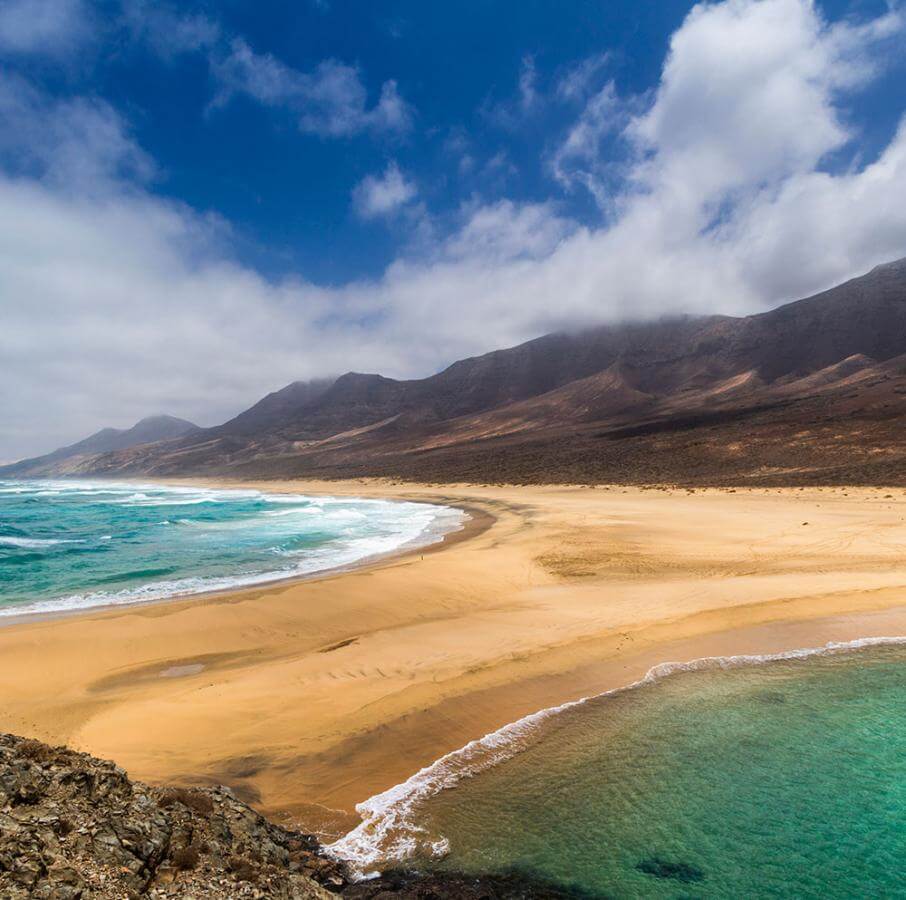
<point x="73" y="827"/>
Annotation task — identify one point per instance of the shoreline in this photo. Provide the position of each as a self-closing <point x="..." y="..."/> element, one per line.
<point x="751" y="645"/>
<point x="311" y="697"/>
<point x="389" y="831"/>
<point x="474" y="521"/>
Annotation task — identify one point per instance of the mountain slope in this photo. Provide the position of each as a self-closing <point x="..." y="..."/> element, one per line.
<point x="278" y="407"/>
<point x="813" y="390"/>
<point x="147" y="431"/>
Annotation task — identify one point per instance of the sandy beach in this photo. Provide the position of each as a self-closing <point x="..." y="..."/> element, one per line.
<point x="308" y="697"/>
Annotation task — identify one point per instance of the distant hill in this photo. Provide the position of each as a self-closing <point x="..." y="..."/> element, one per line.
<point x="811" y="392"/>
<point x="150" y="430"/>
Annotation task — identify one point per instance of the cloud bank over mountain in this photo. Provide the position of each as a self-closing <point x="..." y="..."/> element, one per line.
<point x="118" y="301"/>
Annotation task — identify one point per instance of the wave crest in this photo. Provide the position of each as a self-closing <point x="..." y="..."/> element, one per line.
<point x="35" y="543"/>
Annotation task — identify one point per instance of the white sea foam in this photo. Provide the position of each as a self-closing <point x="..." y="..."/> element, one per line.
<point x="146" y="502"/>
<point x="36" y="543"/>
<point x="389" y="830"/>
<point x="300" y="498"/>
<point x="401" y="526"/>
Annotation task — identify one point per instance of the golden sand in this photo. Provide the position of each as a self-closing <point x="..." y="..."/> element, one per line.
<point x="307" y="697"/>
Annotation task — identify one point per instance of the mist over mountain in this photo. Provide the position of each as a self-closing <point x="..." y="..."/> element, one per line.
<point x="812" y="391"/>
<point x="146" y="431"/>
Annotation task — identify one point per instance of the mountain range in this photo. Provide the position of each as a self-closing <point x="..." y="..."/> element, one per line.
<point x="813" y="391"/>
<point x="147" y="431"/>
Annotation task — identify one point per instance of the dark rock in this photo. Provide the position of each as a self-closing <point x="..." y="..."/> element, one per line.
<point x="72" y="826"/>
<point x="772" y="697"/>
<point x="515" y="885"/>
<point x="678" y="871"/>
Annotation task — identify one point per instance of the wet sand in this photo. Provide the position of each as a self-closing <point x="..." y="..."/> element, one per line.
<point x="307" y="697"/>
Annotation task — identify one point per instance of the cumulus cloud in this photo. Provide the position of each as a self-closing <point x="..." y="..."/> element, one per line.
<point x="749" y="105"/>
<point x="78" y="144"/>
<point x="45" y="27"/>
<point x="771" y="112"/>
<point x="374" y="197"/>
<point x="578" y="159"/>
<point x="116" y="303"/>
<point x="505" y="231"/>
<point x="330" y="101"/>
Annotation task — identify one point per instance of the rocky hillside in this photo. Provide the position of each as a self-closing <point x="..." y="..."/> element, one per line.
<point x="150" y="430"/>
<point x="73" y="827"/>
<point x="811" y="392"/>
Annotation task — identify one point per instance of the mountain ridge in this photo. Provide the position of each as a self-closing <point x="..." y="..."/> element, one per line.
<point x="151" y="429"/>
<point x="670" y="395"/>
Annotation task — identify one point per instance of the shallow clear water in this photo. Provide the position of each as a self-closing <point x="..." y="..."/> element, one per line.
<point x="784" y="779"/>
<point x="65" y="545"/>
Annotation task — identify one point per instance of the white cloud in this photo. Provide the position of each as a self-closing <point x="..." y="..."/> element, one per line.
<point x="44" y="27"/>
<point x="116" y="304"/>
<point x="579" y="159"/>
<point x="506" y="231"/>
<point x="578" y="80"/>
<point x="167" y="31"/>
<point x="373" y="197"/>
<point x="330" y="101"/>
<point x="77" y="144"/>
<point x="500" y="166"/>
<point x="510" y="114"/>
<point x="56" y="29"/>
<point x="528" y="84"/>
<point x="747" y="94"/>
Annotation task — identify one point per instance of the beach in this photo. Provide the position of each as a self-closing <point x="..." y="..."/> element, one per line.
<point x="308" y="697"/>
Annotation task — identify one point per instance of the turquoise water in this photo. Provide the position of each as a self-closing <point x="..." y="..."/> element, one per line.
<point x="66" y="545"/>
<point x="783" y="779"/>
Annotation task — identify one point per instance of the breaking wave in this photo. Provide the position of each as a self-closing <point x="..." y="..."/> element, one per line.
<point x="132" y="551"/>
<point x="390" y="830"/>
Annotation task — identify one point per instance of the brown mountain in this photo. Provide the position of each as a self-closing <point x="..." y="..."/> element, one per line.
<point x="813" y="391"/>
<point x="150" y="430"/>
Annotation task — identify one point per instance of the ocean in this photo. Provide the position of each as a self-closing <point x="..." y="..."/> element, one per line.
<point x="740" y="777"/>
<point x="70" y="545"/>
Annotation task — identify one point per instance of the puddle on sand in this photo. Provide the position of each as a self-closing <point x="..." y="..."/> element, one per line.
<point x="181" y="671"/>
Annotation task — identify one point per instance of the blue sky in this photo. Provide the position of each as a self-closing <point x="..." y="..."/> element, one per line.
<point x="479" y="81"/>
<point x="206" y="201"/>
<point x="464" y="72"/>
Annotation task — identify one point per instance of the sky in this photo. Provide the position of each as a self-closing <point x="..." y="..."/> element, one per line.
<point x="202" y="202"/>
